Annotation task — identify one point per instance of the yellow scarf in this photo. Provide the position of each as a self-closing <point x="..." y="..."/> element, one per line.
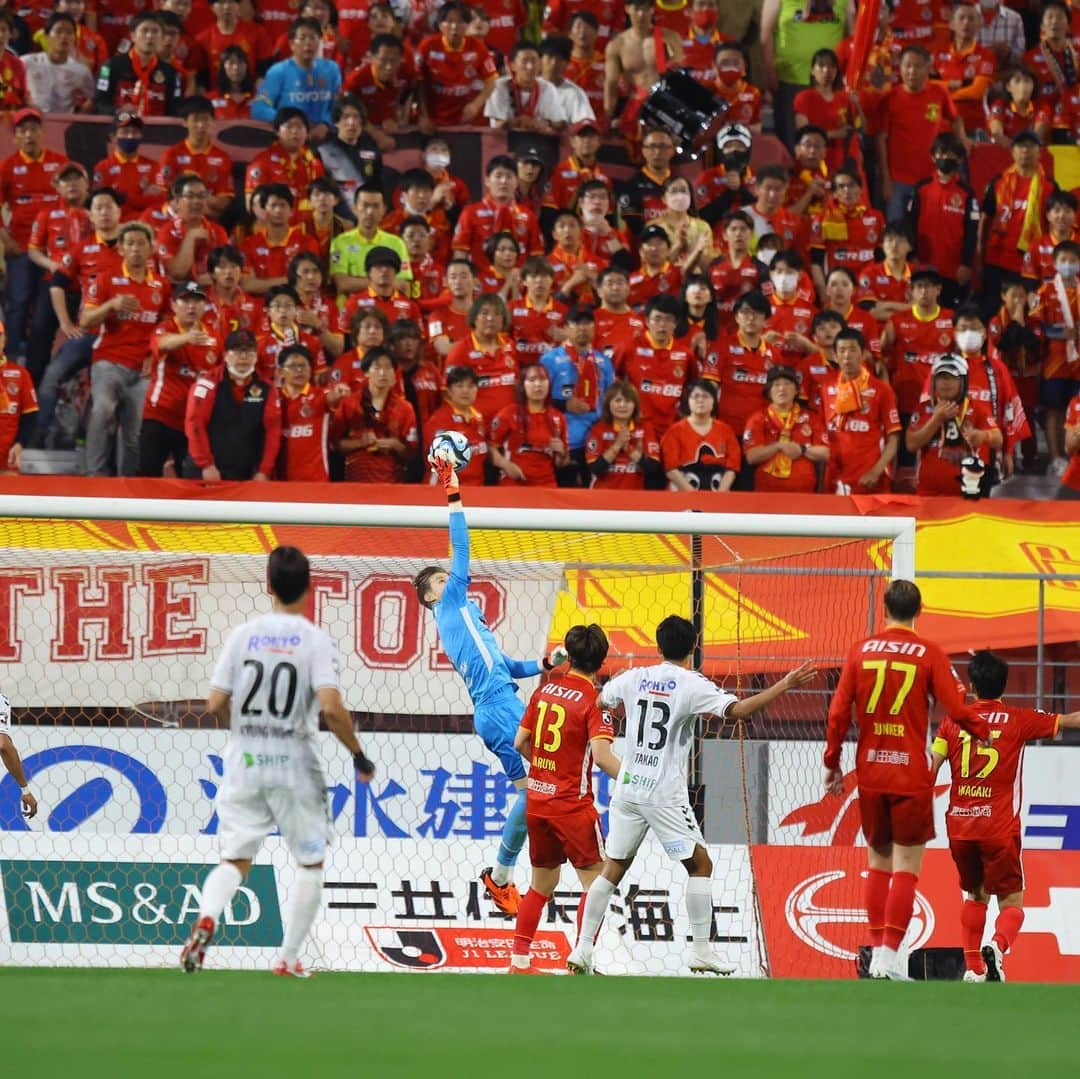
<point x="779" y="465"/>
<point x="834" y="220"/>
<point x="1031" y="228"/>
<point x="849" y="393"/>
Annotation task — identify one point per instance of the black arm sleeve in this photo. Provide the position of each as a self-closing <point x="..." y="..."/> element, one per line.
<point x="971" y="231"/>
<point x="600" y="467"/>
<point x="27" y="426"/>
<point x="655" y="479"/>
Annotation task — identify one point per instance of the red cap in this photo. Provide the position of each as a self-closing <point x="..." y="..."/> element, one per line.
<point x="585" y="125"/>
<point x="26" y="114"/>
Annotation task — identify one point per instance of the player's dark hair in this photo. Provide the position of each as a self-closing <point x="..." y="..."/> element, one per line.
<point x="265" y="192"/>
<point x="55" y="18"/>
<point x="988" y="675"/>
<point x="586" y="17"/>
<point x="558" y="46"/>
<point x="288" y="573"/>
<point x="903" y="600"/>
<point x="422" y="581"/>
<point x="290" y="112"/>
<point x="413" y="178"/>
<point x="846" y="272"/>
<point x="280" y="290"/>
<point x="107" y="192"/>
<point x="587" y="647"/>
<point x="675" y="637"/>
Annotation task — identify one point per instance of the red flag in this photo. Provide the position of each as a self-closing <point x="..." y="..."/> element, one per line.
<point x="866" y="24"/>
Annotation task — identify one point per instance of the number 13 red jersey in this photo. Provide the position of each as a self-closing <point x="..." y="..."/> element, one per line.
<point x="563" y="717"/>
<point x="984" y="802"/>
<point x="890" y="678"/>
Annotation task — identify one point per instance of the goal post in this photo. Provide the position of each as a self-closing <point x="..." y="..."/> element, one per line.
<point x="112" y="612"/>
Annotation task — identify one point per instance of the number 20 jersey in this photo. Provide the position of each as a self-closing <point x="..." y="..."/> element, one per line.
<point x="272" y="667"/>
<point x="661" y="705"/>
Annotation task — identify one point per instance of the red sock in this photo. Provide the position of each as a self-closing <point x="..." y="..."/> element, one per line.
<point x="877" y="892"/>
<point x="1007" y="927"/>
<point x="529" y="911"/>
<point x="898" y="908"/>
<point x="973" y="922"/>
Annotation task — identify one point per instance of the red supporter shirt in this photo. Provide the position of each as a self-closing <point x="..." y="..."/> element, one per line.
<point x="889" y="679"/>
<point x="271" y="341"/>
<point x="832" y="115"/>
<point x="173" y="373"/>
<point x="743" y="101"/>
<point x="473" y="426"/>
<point x="131" y="177"/>
<point x="918" y="342"/>
<point x="17" y="399"/>
<point x="1047" y="65"/>
<point x="533" y="329"/>
<point x="87" y="260"/>
<point x="26" y="188"/>
<point x="877" y="281"/>
<point x="525" y="436"/>
<point x="916" y="20"/>
<point x="356" y="415"/>
<point x="446" y="322"/>
<point x="558" y="14"/>
<point x="858" y="435"/>
<point x="740" y="370"/>
<point x="986" y="792"/>
<point x="57" y="231"/>
<point x="305" y="428"/>
<point x="848" y="238"/>
<point x="275" y="166"/>
<point x="588" y="73"/>
<point x="1005" y="205"/>
<point x="730" y="281"/>
<point x="496" y="370"/>
<point x="481" y="220"/>
<point x="567" y="177"/>
<point x="974" y="66"/>
<point x="12" y="81"/>
<point x="795" y="315"/>
<point x="452" y="77"/>
<point x="1072" y="472"/>
<point x="440" y="232"/>
<point x="912" y="121"/>
<point x="946" y="226"/>
<point x="699" y="54"/>
<point x="660" y="376"/>
<point x="267" y="260"/>
<point x="765" y="427"/>
<point x="124" y="338"/>
<point x="645" y="285"/>
<point x="939" y="460"/>
<point x="170" y="238"/>
<point x="1049" y="311"/>
<point x="624" y="474"/>
<point x="617" y="330"/>
<point x="381" y="99"/>
<point x="243" y="312"/>
<point x="213" y="43"/>
<point x="682" y="447"/>
<point x="396" y="305"/>
<point x="213" y="165"/>
<point x="563" y="717"/>
<point x="991" y="384"/>
<point x="1039" y="259"/>
<point x="1014" y="120"/>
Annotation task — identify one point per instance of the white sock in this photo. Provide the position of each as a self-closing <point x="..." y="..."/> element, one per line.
<point x="218" y="890"/>
<point x="699" y="909"/>
<point x="500" y="874"/>
<point x="888" y="957"/>
<point x="520" y="962"/>
<point x="596" y="904"/>
<point x="306" y="897"/>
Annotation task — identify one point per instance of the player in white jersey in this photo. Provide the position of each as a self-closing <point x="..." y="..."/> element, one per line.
<point x="12" y="761"/>
<point x="661" y="705"/>
<point x="275" y="674"/>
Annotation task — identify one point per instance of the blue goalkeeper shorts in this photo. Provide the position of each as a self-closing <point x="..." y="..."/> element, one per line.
<point x="496" y="721"/>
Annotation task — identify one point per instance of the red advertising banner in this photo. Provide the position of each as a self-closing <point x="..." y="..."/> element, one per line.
<point x="811" y="905"/>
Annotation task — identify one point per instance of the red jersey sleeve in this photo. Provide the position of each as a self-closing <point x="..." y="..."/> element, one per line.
<point x="598" y="723"/>
<point x="840" y="712"/>
<point x="1038" y="724"/>
<point x="272" y="426"/>
<point x="948" y="691"/>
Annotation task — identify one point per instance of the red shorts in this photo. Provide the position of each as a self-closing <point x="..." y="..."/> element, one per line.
<point x="992" y="864"/>
<point x="573" y="837"/>
<point x="907" y="819"/>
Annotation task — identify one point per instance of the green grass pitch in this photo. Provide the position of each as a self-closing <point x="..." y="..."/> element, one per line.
<point x="162" y="1024"/>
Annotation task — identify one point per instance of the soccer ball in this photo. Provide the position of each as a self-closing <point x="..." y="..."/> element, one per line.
<point x="450" y="446"/>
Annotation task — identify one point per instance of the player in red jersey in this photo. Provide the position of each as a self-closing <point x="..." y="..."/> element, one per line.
<point x="983" y="819"/>
<point x="563" y="732"/>
<point x="889" y="678"/>
<point x="184" y="346"/>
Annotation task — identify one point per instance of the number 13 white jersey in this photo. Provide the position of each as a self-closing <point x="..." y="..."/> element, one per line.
<point x="661" y="704"/>
<point x="272" y="667"/>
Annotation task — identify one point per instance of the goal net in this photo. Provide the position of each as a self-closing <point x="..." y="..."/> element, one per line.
<point x="111" y="616"/>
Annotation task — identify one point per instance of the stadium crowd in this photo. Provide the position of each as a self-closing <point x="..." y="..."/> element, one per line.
<point x="858" y="322"/>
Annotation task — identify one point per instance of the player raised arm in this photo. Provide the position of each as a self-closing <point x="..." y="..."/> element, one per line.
<point x="12" y="761"/>
<point x="801" y="676"/>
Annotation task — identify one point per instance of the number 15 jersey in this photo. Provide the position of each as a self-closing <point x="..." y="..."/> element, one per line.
<point x="272" y="667"/>
<point x="661" y="705"/>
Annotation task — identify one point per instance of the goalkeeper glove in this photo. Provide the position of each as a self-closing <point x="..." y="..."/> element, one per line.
<point x="364" y="768"/>
<point x="556" y="658"/>
<point x="444" y="470"/>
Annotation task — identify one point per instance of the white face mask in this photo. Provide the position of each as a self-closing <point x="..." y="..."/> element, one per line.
<point x="437" y="161"/>
<point x="1067" y="270"/>
<point x="785" y="282"/>
<point x="970" y="340"/>
<point x="679" y="201"/>
<point x="237" y="373"/>
<point x="766" y="255"/>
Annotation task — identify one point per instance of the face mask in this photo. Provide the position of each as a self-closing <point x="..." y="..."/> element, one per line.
<point x="437" y="161"/>
<point x="679" y="201"/>
<point x="128" y="146"/>
<point x="703" y="18"/>
<point x="970" y="340"/>
<point x="736" y="160"/>
<point x="786" y="283"/>
<point x="1067" y="270"/>
<point x="237" y="373"/>
<point x="766" y="255"/>
<point x="729" y="76"/>
<point x="947" y="165"/>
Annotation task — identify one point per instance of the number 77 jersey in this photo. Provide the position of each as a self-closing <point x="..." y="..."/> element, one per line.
<point x="661" y="705"/>
<point x="888" y="680"/>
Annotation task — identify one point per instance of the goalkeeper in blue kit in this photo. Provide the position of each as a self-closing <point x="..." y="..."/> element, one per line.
<point x="489" y="677"/>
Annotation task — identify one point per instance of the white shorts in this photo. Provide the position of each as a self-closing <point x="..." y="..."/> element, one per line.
<point x="675" y="826"/>
<point x="247" y="816"/>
